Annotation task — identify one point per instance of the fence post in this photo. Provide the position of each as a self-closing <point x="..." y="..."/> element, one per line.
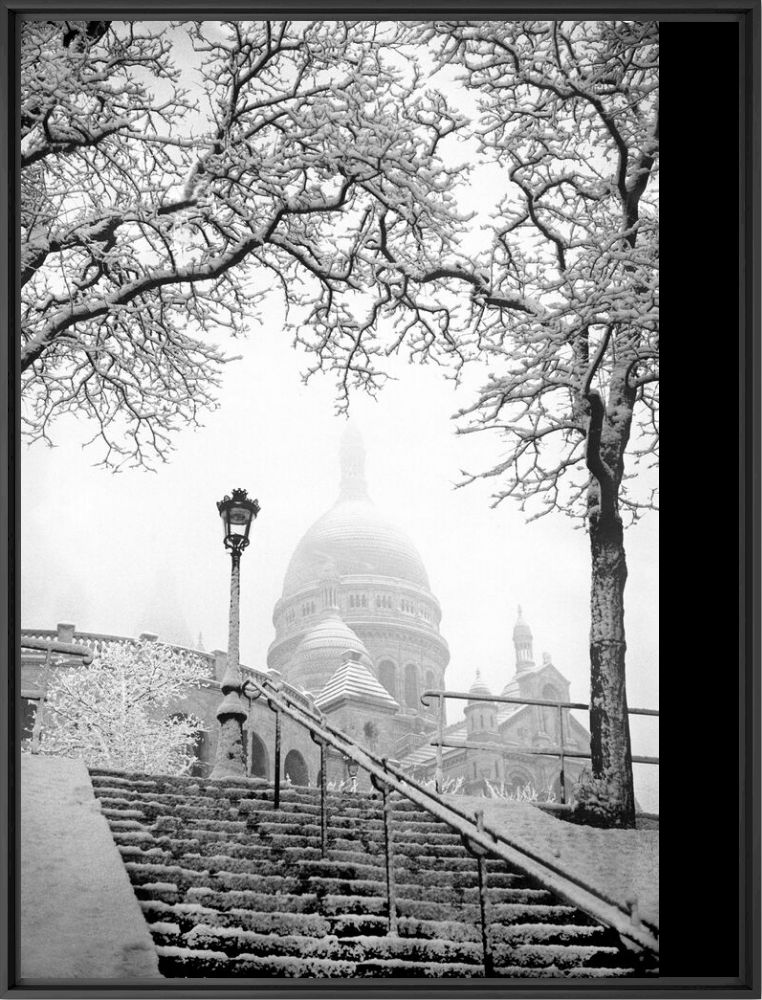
<point x="483" y="901"/>
<point x="391" y="891"/>
<point x="561" y="735"/>
<point x="439" y="781"/>
<point x="276" y="796"/>
<point x="323" y="803"/>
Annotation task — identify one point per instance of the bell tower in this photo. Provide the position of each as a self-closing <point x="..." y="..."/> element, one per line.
<point x="522" y="643"/>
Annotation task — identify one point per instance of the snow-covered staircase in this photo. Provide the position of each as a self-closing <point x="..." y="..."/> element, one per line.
<point x="231" y="887"/>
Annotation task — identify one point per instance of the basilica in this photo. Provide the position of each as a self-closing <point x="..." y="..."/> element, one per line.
<point x="357" y="630"/>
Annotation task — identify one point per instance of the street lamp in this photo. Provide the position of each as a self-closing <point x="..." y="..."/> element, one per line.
<point x="237" y="512"/>
<point x="352" y="768"/>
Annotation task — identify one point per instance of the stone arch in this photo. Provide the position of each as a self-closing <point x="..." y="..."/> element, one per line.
<point x="295" y="768"/>
<point x="411" y="686"/>
<point x="516" y="780"/>
<point x="258" y="762"/>
<point x="387" y="675"/>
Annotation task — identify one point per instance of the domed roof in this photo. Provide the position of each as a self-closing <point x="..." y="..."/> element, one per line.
<point x="479" y="688"/>
<point x="352" y="538"/>
<point x="322" y="650"/>
<point x="331" y="633"/>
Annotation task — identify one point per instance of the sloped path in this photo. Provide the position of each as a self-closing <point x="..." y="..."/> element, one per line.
<point x="79" y="917"/>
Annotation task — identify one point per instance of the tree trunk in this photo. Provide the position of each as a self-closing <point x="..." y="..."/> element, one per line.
<point x="607" y="797"/>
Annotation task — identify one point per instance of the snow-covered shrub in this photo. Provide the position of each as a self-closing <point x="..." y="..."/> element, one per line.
<point x="450" y="786"/>
<point x="114" y="712"/>
<point x="523" y="793"/>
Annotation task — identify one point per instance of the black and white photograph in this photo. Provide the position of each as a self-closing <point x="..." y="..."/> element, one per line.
<point x="339" y="404"/>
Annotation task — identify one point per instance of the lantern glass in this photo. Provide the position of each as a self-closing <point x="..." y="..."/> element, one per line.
<point x="237" y="514"/>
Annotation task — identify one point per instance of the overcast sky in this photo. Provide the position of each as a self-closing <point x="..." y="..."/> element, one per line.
<point x="143" y="551"/>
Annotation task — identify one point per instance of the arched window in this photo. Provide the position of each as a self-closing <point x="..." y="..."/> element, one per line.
<point x="411" y="686"/>
<point x="387" y="674"/>
<point x="259" y="766"/>
<point x="517" y="783"/>
<point x="295" y="768"/>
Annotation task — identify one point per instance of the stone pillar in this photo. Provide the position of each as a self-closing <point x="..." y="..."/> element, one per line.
<point x="65" y="632"/>
<point x="220" y="663"/>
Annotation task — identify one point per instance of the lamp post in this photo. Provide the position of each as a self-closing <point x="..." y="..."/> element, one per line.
<point x="352" y="768"/>
<point x="237" y="513"/>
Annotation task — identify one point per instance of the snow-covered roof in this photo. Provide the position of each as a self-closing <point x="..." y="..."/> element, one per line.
<point x="354" y="680"/>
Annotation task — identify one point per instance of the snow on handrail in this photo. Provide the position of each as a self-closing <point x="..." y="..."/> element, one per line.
<point x="567" y="887"/>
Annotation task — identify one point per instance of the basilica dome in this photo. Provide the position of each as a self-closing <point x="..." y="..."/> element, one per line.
<point x="353" y="538"/>
<point x="356" y="581"/>
<point x="321" y="651"/>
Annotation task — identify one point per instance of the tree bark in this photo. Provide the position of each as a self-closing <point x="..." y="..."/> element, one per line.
<point x="607" y="797"/>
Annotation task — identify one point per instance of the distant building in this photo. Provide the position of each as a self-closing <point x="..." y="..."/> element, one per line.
<point x="357" y="638"/>
<point x="357" y="628"/>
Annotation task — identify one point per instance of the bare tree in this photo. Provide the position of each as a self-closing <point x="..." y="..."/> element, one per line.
<point x="563" y="308"/>
<point x="154" y="218"/>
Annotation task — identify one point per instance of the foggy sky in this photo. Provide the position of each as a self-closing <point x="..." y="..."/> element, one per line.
<point x="141" y="551"/>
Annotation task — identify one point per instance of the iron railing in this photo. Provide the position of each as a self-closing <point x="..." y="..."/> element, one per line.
<point x="562" y="751"/>
<point x="481" y="840"/>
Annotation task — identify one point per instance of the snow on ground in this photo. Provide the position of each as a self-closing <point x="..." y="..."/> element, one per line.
<point x="79" y="916"/>
<point x="620" y="863"/>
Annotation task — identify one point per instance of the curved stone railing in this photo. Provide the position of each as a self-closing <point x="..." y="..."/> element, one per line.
<point x="97" y="640"/>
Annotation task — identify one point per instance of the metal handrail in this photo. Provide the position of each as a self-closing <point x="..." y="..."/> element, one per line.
<point x="477" y="836"/>
<point x="466" y="696"/>
<point x="562" y="752"/>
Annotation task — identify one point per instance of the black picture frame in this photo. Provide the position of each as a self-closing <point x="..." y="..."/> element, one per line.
<point x="711" y="690"/>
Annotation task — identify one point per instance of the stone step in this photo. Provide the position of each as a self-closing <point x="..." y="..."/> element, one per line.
<point x="185" y="962"/>
<point x="185" y="916"/>
<point x="321" y="877"/>
<point x="293" y="863"/>
<point x="560" y="956"/>
<point x="232" y="899"/>
<point x="211" y="810"/>
<point x="231" y="887"/>
<point x="234" y="942"/>
<point x="360" y="838"/>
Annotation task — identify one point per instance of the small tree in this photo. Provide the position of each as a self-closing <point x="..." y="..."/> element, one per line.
<point x="114" y="712"/>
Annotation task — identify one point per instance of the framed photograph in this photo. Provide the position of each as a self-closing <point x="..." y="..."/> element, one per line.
<point x="332" y="507"/>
